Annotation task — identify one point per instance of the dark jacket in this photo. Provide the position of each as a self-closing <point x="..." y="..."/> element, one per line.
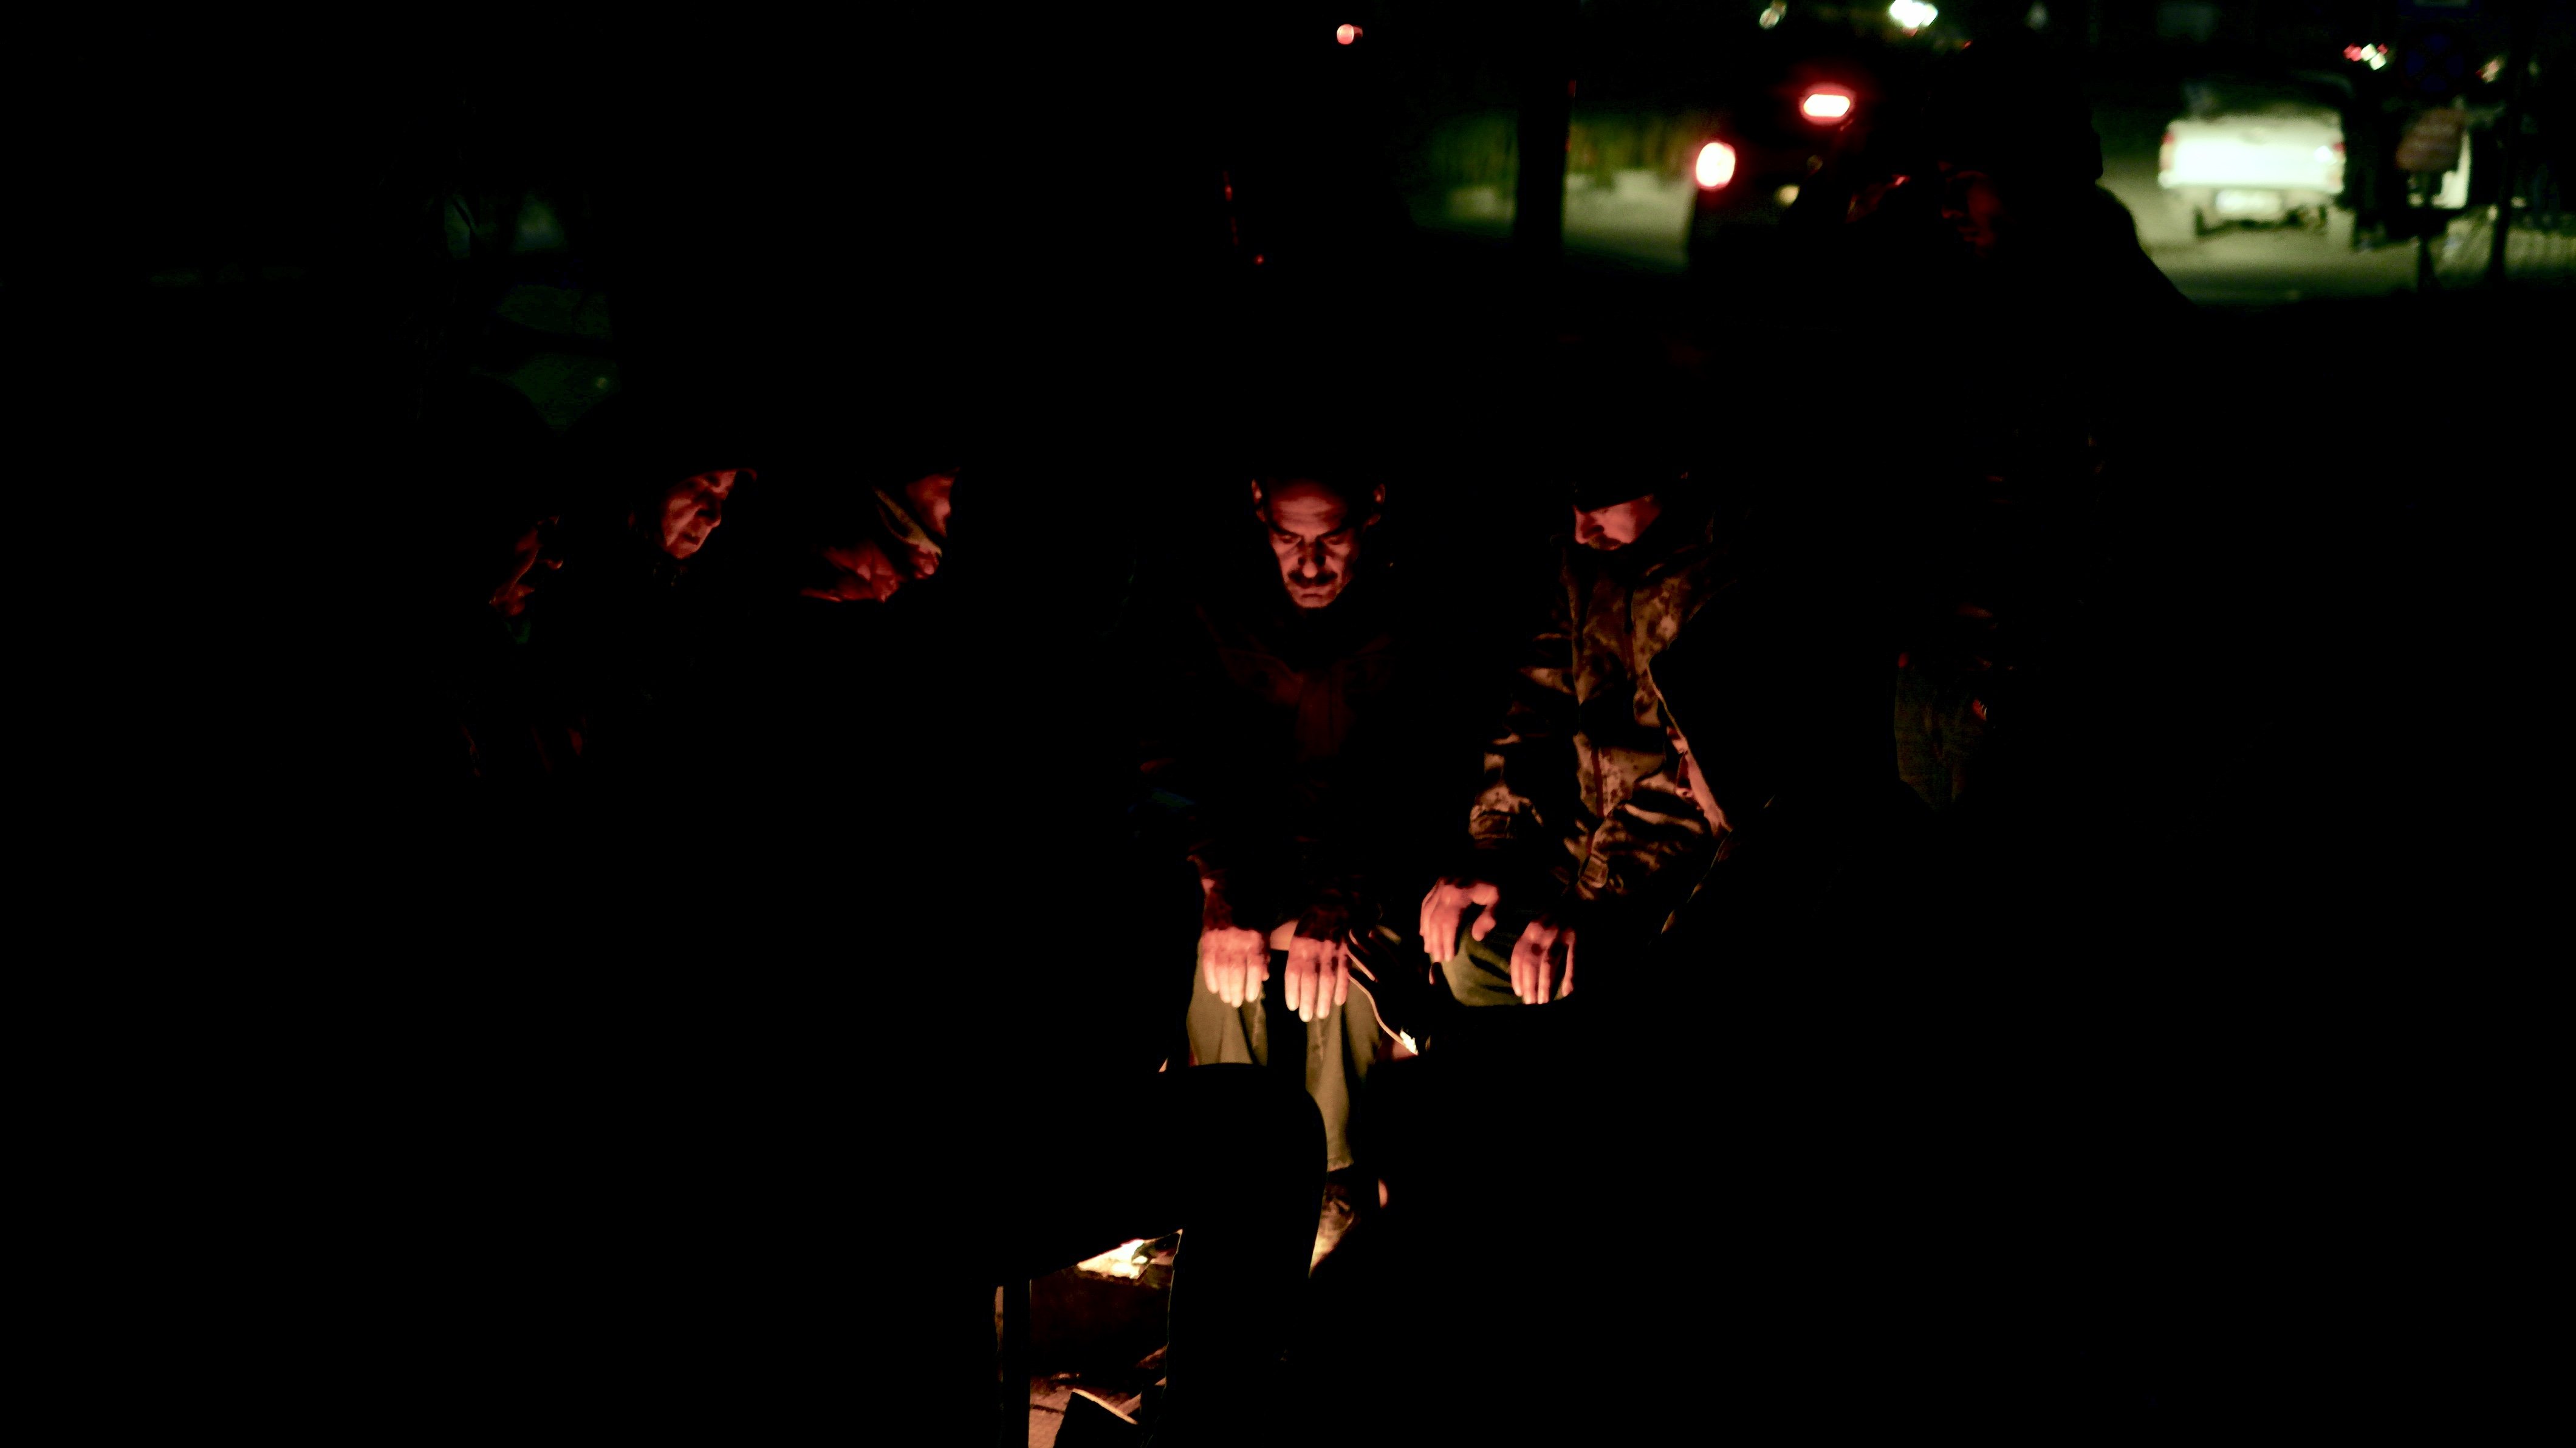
<point x="1579" y="784"/>
<point x="1292" y="732"/>
<point x="1783" y="703"/>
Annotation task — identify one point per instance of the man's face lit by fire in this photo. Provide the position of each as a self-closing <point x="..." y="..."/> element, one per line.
<point x="1315" y="537"/>
<point x="930" y="498"/>
<point x="532" y="555"/>
<point x="1608" y="529"/>
<point x="693" y="508"/>
<point x="858" y="573"/>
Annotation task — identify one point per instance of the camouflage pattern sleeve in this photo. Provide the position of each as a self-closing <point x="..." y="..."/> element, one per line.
<point x="1523" y="806"/>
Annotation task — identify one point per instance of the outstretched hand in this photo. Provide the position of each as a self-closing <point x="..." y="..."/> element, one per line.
<point x="1234" y="961"/>
<point x="1319" y="977"/>
<point x="1543" y="961"/>
<point x="1446" y="906"/>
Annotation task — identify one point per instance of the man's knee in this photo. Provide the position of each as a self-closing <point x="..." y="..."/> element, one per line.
<point x="1480" y="974"/>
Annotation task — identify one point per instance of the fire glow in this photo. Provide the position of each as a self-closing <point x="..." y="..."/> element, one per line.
<point x="1123" y="1260"/>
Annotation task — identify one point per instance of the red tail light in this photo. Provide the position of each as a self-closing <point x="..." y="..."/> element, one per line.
<point x="1716" y="165"/>
<point x="1825" y="105"/>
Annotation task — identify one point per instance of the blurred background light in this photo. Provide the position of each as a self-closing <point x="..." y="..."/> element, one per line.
<point x="1716" y="164"/>
<point x="1825" y="105"/>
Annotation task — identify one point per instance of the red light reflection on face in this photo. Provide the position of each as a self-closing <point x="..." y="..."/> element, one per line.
<point x="1608" y="529"/>
<point x="532" y="556"/>
<point x="859" y="573"/>
<point x="693" y="509"/>
<point x="929" y="498"/>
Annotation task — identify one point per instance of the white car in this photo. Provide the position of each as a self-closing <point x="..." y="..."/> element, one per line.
<point x="2269" y="159"/>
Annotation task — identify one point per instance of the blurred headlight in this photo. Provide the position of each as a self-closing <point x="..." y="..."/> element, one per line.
<point x="1716" y="165"/>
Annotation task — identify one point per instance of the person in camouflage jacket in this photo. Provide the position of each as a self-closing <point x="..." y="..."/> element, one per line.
<point x="1584" y="809"/>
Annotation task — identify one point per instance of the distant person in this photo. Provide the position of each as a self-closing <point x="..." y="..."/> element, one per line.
<point x="2056" y="296"/>
<point x="2054" y="503"/>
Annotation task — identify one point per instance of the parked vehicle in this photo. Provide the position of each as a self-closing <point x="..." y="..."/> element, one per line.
<point x="2260" y="152"/>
